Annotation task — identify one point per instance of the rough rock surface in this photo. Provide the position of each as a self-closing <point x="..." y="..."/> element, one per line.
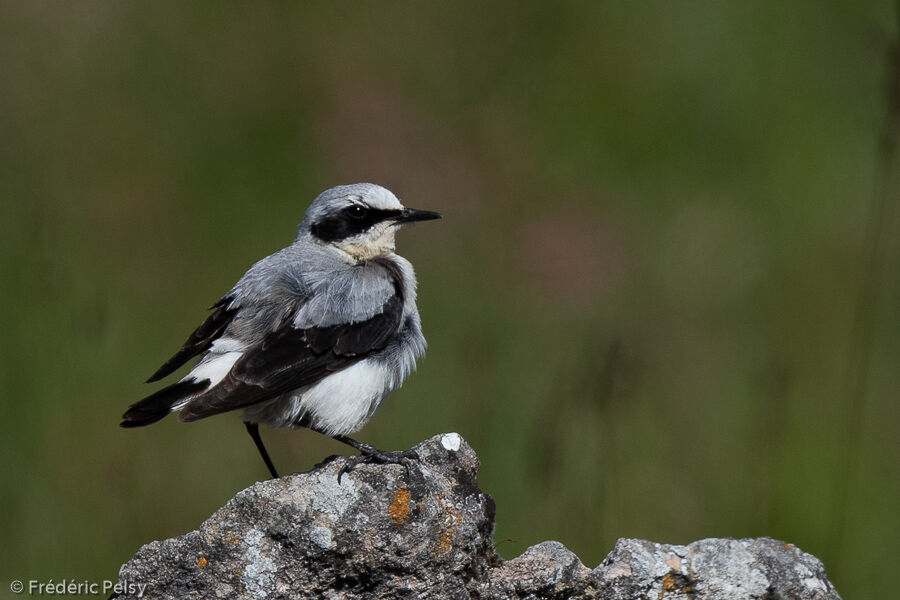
<point x="386" y="531"/>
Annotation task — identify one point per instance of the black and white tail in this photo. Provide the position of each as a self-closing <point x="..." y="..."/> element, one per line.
<point x="156" y="406"/>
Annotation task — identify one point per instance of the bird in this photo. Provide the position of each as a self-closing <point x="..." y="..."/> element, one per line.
<point x="312" y="336"/>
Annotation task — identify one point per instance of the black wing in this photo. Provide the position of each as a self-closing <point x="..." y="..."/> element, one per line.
<point x="290" y="358"/>
<point x="200" y="340"/>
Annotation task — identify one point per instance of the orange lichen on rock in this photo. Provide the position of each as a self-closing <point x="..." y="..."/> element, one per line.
<point x="201" y="562"/>
<point x="399" y="508"/>
<point x="444" y="542"/>
<point x="445" y="538"/>
<point x="230" y="538"/>
<point x="675" y="583"/>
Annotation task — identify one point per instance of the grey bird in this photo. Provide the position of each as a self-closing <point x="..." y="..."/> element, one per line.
<point x="314" y="335"/>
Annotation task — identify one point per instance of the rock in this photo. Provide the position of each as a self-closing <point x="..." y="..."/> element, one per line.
<point x="424" y="531"/>
<point x="714" y="569"/>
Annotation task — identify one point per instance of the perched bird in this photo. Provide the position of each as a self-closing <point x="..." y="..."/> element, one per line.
<point x="314" y="335"/>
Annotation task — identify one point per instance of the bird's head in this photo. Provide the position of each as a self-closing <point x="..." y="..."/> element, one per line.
<point x="359" y="219"/>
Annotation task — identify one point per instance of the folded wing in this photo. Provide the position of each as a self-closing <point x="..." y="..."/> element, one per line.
<point x="289" y="358"/>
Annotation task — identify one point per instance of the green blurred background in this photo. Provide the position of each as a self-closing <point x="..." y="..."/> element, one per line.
<point x="642" y="304"/>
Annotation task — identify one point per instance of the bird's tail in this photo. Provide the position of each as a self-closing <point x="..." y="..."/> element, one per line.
<point x="157" y="405"/>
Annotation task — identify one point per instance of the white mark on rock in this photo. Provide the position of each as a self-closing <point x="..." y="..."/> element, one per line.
<point x="333" y="499"/>
<point x="321" y="537"/>
<point x="620" y="568"/>
<point x="811" y="583"/>
<point x="451" y="441"/>
<point x="259" y="570"/>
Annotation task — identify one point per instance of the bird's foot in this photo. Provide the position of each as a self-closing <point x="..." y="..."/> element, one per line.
<point x="370" y="454"/>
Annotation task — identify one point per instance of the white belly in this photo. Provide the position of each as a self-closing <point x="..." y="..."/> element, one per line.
<point x="337" y="405"/>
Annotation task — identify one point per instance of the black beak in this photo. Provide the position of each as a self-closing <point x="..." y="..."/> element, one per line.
<point x="408" y="215"/>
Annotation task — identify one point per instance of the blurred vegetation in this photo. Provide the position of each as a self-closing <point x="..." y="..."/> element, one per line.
<point x="640" y="304"/>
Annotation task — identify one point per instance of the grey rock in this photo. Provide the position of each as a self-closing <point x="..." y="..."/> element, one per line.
<point x="714" y="569"/>
<point x="386" y="531"/>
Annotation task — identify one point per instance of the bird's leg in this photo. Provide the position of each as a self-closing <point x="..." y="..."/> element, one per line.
<point x="253" y="430"/>
<point x="371" y="454"/>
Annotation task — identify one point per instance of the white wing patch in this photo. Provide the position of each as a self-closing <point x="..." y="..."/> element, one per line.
<point x="214" y="367"/>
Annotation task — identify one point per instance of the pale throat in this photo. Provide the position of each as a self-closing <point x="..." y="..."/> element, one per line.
<point x="378" y="241"/>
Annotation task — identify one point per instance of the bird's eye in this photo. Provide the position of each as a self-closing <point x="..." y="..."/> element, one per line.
<point x="355" y="212"/>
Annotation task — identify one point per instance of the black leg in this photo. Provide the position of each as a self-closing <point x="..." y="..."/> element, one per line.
<point x="362" y="447"/>
<point x="253" y="430"/>
<point x="370" y="454"/>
